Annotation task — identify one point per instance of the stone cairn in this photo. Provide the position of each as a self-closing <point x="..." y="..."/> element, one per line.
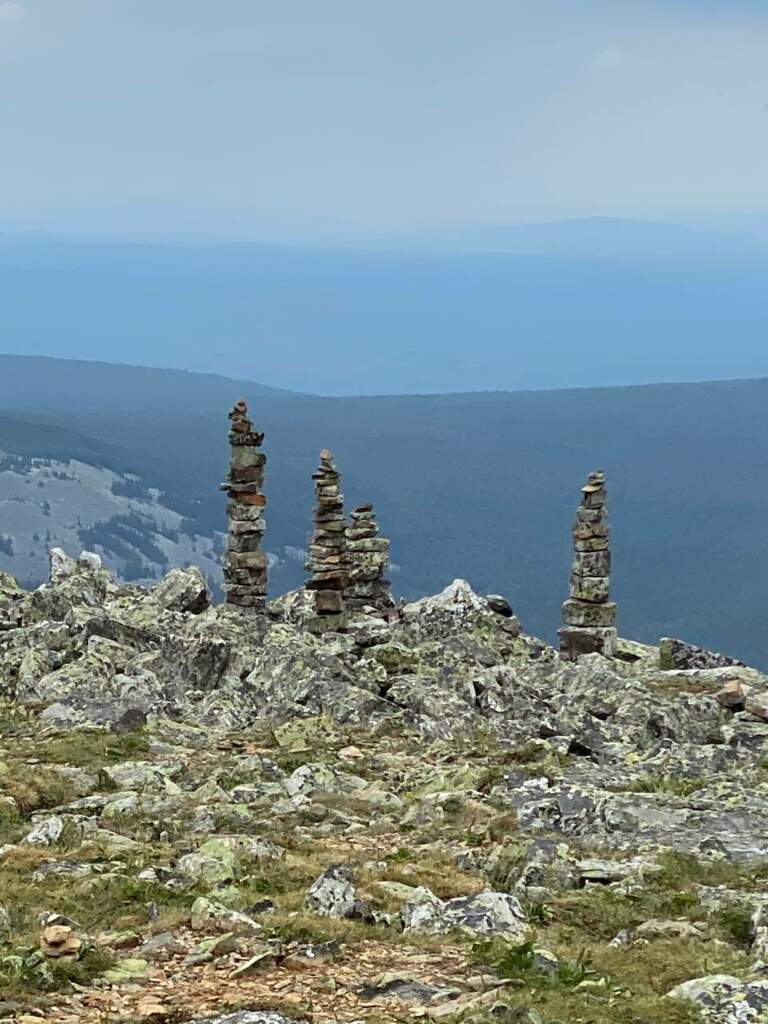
<point x="327" y="560"/>
<point x="589" y="616"/>
<point x="368" y="557"/>
<point x="245" y="566"/>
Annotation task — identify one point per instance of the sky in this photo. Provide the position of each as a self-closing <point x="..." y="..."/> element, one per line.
<point x="248" y="119"/>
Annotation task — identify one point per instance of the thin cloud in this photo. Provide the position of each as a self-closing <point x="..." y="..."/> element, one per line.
<point x="11" y="11"/>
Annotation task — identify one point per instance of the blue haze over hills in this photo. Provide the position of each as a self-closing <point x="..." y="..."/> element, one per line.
<point x="582" y="303"/>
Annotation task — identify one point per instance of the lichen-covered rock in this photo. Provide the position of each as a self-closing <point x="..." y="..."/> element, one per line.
<point x="723" y="999"/>
<point x="210" y="750"/>
<point x="676" y="654"/>
<point x="225" y="858"/>
<point x="182" y="590"/>
<point x="488" y="913"/>
<point x="209" y="915"/>
<point x="46" y="832"/>
<point x="244" y="1017"/>
<point x="332" y="894"/>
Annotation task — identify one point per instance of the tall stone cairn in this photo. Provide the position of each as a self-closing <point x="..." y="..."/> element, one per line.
<point x="589" y="615"/>
<point x="327" y="560"/>
<point x="245" y="566"/>
<point x="368" y="556"/>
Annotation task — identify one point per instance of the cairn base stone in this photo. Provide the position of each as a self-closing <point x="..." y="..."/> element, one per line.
<point x="327" y="623"/>
<point x="578" y="640"/>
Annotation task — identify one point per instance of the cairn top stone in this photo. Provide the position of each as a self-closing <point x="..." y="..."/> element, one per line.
<point x="239" y="415"/>
<point x="595" y="481"/>
<point x="242" y="426"/>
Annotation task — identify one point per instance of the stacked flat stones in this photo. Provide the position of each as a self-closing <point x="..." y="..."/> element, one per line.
<point x="368" y="558"/>
<point x="589" y="615"/>
<point x="245" y="566"/>
<point x="327" y="550"/>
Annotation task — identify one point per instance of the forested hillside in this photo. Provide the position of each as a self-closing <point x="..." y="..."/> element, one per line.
<point x="484" y="486"/>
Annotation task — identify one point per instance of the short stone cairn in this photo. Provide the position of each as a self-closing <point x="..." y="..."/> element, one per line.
<point x="368" y="559"/>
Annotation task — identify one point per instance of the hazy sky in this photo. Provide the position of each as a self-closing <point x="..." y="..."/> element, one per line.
<point x="248" y="118"/>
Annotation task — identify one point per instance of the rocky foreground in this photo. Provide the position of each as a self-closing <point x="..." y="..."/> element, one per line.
<point x="209" y="815"/>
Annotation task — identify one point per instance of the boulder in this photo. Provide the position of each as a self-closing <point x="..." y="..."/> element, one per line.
<point x="332" y="894"/>
<point x="677" y="654"/>
<point x="488" y="913"/>
<point x="182" y="590"/>
<point x="723" y="999"/>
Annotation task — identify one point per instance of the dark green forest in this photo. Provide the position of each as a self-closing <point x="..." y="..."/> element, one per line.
<point x="483" y="486"/>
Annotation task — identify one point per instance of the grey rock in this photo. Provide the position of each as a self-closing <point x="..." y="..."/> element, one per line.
<point x="676" y="654"/>
<point x="500" y="605"/>
<point x="488" y="913"/>
<point x="46" y="832"/>
<point x="182" y="590"/>
<point x="245" y="1017"/>
<point x="332" y="894"/>
<point x="723" y="999"/>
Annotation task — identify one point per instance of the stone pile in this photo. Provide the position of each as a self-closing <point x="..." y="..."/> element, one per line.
<point x="245" y="566"/>
<point x="589" y="615"/>
<point x="327" y="560"/>
<point x="368" y="557"/>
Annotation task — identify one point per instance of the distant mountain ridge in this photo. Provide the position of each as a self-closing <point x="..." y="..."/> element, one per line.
<point x="584" y="304"/>
<point x="50" y="383"/>
<point x="612" y="237"/>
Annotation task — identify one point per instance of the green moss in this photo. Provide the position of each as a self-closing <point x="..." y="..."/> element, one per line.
<point x="663" y="784"/>
<point x="88" y="748"/>
<point x="27" y="970"/>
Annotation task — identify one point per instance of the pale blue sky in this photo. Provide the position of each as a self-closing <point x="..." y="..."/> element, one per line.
<point x="291" y="118"/>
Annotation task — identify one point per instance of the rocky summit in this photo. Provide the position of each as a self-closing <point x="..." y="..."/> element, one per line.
<point x="208" y="814"/>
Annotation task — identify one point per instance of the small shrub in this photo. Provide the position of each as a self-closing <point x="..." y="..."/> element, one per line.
<point x="508" y="961"/>
<point x="736" y="922"/>
<point x="30" y="971"/>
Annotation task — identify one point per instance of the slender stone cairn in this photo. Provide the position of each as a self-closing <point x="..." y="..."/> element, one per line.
<point x="589" y="615"/>
<point x="368" y="556"/>
<point x="327" y="560"/>
<point x="245" y="567"/>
